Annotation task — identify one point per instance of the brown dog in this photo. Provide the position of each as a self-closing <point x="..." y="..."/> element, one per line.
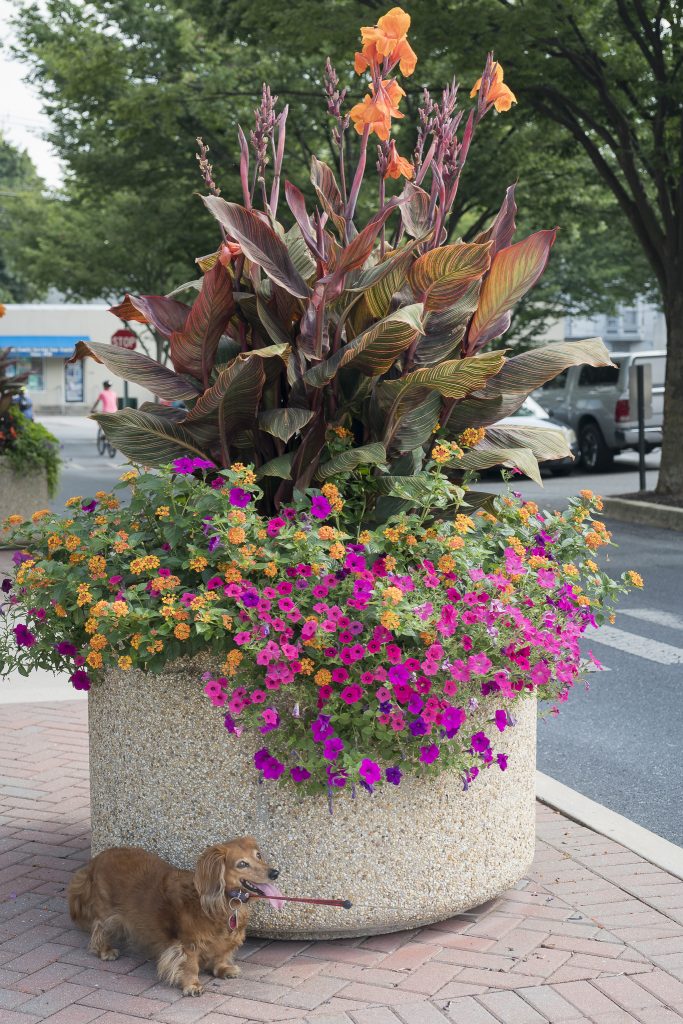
<point x="187" y="920"/>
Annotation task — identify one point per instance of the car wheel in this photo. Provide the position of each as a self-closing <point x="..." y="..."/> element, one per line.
<point x="596" y="457"/>
<point x="560" y="468"/>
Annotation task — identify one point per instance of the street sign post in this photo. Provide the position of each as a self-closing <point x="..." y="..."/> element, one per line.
<point x="125" y="338"/>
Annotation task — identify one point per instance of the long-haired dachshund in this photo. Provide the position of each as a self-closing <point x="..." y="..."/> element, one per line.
<point x="187" y="920"/>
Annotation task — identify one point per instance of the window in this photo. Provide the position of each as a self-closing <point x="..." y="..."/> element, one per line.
<point x="630" y="321"/>
<point x="612" y="324"/>
<point x="598" y="376"/>
<point x="34" y="367"/>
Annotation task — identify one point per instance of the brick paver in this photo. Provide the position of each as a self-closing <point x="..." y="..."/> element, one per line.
<point x="593" y="935"/>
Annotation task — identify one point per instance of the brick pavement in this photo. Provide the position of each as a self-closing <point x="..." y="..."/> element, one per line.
<point x="593" y="934"/>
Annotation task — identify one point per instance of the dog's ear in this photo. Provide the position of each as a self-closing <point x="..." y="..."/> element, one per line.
<point x="209" y="881"/>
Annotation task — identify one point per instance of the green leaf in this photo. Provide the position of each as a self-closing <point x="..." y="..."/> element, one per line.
<point x="149" y="439"/>
<point x="357" y="251"/>
<point x="284" y="423"/>
<point x="374" y="351"/>
<point x="368" y="454"/>
<point x="504" y="393"/>
<point x="299" y="252"/>
<point x="442" y="276"/>
<point x="234" y="396"/>
<point x="443" y="331"/>
<point x="259" y="243"/>
<point x="513" y="458"/>
<point x="138" y="368"/>
<point x="415" y="211"/>
<point x="454" y="378"/>
<point x="513" y="272"/>
<point x="279" y="467"/>
<point x="417" y="489"/>
<point x="544" y="442"/>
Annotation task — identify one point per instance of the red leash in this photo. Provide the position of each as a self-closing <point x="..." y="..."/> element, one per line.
<point x="345" y="904"/>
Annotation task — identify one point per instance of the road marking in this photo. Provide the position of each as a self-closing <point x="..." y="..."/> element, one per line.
<point x="660" y="618"/>
<point x="641" y="646"/>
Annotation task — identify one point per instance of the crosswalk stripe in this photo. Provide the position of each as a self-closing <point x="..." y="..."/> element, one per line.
<point x="660" y="618"/>
<point x="641" y="646"/>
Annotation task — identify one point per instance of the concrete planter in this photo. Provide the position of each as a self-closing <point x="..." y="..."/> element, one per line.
<point x="165" y="775"/>
<point x="21" y="494"/>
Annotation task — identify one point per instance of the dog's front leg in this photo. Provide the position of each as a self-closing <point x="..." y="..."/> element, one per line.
<point x="225" y="968"/>
<point x="179" y="965"/>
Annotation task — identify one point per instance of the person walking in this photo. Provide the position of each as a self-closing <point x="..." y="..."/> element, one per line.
<point x="107" y="397"/>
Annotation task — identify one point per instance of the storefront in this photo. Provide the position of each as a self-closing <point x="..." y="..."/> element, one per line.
<point x="43" y="337"/>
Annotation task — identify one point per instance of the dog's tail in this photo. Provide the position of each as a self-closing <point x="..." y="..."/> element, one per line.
<point x="80" y="896"/>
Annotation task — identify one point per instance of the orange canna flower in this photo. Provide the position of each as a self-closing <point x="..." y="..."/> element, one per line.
<point x="398" y="165"/>
<point x="377" y="110"/>
<point x="387" y="39"/>
<point x="499" y="94"/>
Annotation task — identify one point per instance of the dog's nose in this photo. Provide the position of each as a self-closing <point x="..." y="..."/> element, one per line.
<point x="273" y="874"/>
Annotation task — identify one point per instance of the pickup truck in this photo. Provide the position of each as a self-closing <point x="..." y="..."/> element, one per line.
<point x="596" y="402"/>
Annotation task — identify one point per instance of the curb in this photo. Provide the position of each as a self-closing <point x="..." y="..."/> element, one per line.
<point x="600" y="819"/>
<point x="645" y="513"/>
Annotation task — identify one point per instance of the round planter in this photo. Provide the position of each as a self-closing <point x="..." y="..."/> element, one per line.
<point x="21" y="493"/>
<point x="165" y="775"/>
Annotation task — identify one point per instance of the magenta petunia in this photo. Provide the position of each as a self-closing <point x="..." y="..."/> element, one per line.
<point x="238" y="497"/>
<point x="332" y="748"/>
<point x="369" y="771"/>
<point x="23" y="636"/>
<point x="429" y="754"/>
<point x="299" y="774"/>
<point x="320" y="507"/>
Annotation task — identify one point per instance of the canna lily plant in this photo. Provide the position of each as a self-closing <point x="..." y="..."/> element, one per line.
<point x="315" y="324"/>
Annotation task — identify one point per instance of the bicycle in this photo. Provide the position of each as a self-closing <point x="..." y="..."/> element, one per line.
<point x="104" y="444"/>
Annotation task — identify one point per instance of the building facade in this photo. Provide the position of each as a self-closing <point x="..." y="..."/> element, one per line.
<point x="634" y="328"/>
<point x="43" y="336"/>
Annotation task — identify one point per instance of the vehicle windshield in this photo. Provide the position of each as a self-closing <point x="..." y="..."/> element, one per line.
<point x="532" y="408"/>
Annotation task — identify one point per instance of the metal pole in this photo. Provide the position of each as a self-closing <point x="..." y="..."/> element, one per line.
<point x="640" y="391"/>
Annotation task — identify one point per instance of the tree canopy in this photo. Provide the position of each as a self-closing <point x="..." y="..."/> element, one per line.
<point x="129" y="86"/>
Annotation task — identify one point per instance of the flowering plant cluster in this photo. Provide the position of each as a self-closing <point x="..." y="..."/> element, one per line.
<point x="356" y="656"/>
<point x="306" y="318"/>
<point x="27" y="446"/>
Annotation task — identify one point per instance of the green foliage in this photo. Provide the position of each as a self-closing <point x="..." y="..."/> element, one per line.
<point x="30" y="448"/>
<point x="126" y="115"/>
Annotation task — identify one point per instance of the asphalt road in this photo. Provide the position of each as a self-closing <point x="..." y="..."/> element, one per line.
<point x="620" y="743"/>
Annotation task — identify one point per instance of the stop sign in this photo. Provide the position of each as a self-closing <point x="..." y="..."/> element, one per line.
<point x="124" y="338"/>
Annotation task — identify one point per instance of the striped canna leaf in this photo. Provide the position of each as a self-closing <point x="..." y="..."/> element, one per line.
<point x="441" y="276"/>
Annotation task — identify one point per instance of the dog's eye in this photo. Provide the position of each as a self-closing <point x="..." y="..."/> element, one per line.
<point x="243" y="864"/>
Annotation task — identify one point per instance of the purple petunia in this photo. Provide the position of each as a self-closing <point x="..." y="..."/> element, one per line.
<point x="6" y="585"/>
<point x="480" y="742"/>
<point x="273" y="768"/>
<point x="320" y="507"/>
<point x="501" y="718"/>
<point x="23" y="636"/>
<point x="502" y="760"/>
<point x="80" y="680"/>
<point x="299" y="774"/>
<point x="451" y="720"/>
<point x="238" y="497"/>
<point x="321" y="728"/>
<point x="66" y="649"/>
<point x="393" y="775"/>
<point x="89" y="506"/>
<point x="429" y="754"/>
<point x="20" y="556"/>
<point x="184" y="465"/>
<point x="332" y="748"/>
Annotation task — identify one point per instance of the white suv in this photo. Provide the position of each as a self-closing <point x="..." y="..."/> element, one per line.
<point x="595" y="402"/>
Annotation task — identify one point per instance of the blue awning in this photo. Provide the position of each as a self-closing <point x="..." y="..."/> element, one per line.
<point x="41" y="344"/>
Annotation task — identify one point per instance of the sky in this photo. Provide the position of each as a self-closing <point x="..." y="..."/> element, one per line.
<point x="22" y="121"/>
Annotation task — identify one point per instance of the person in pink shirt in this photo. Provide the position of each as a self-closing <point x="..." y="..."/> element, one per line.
<point x="107" y="397"/>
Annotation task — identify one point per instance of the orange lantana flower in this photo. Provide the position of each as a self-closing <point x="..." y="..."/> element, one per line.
<point x="387" y="39"/>
<point x="398" y="165"/>
<point x="499" y="94"/>
<point x="377" y="110"/>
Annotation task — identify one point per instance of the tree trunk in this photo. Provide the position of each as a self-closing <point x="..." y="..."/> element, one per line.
<point x="670" y="483"/>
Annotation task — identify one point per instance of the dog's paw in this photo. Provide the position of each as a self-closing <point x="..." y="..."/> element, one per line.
<point x="193" y="989"/>
<point x="227" y="971"/>
<point x="108" y="954"/>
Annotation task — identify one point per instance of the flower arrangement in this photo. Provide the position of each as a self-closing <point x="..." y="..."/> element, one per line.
<point x="322" y="321"/>
<point x="357" y="655"/>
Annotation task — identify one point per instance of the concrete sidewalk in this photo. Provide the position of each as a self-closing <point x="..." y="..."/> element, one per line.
<point x="593" y="934"/>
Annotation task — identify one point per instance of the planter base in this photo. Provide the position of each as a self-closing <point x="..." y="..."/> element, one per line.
<point x="165" y="775"/>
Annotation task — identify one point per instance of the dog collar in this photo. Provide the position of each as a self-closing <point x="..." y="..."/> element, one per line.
<point x="236" y="898"/>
